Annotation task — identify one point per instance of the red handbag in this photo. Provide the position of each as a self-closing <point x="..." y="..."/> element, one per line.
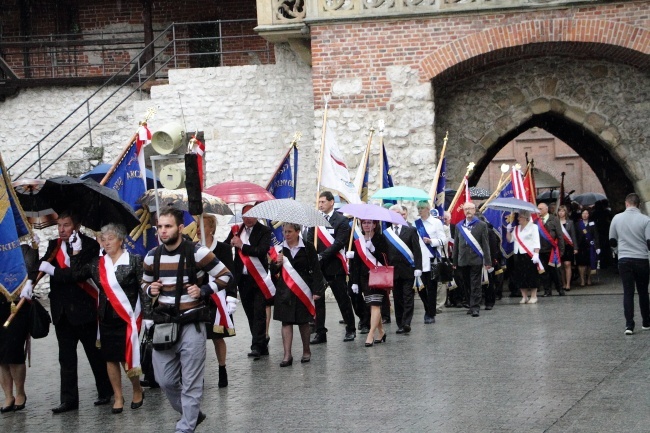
<point x="381" y="277"/>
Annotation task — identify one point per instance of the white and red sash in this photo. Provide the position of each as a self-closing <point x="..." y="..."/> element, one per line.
<point x="294" y="281"/>
<point x="567" y="238"/>
<point x="365" y="255"/>
<point x="122" y="306"/>
<point x="63" y="260"/>
<point x="260" y="275"/>
<point x="327" y="240"/>
<point x="554" y="259"/>
<point x="222" y="322"/>
<point x="540" y="267"/>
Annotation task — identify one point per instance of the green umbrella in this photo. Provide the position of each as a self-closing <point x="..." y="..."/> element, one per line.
<point x="401" y="193"/>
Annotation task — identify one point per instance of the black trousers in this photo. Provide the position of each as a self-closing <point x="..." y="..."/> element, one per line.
<point x="340" y="290"/>
<point x="254" y="304"/>
<point x="404" y="298"/>
<point x="361" y="309"/>
<point x="551" y="274"/>
<point x="429" y="294"/>
<point x="68" y="337"/>
<point x="471" y="276"/>
<point x="460" y="294"/>
<point x="635" y="272"/>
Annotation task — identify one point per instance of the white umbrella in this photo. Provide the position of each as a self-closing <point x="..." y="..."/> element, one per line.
<point x="511" y="205"/>
<point x="289" y="211"/>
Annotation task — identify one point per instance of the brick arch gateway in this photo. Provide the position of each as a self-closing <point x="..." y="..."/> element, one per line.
<point x="585" y="84"/>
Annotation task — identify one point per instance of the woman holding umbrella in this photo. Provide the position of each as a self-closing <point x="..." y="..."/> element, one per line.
<point x="298" y="281"/>
<point x="368" y="252"/>
<point x="526" y="252"/>
<point x="117" y="274"/>
<point x="588" y="250"/>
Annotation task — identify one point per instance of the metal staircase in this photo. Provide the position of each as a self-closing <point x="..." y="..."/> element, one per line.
<point x="167" y="50"/>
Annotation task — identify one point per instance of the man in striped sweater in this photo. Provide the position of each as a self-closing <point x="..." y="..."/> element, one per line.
<point x="186" y="357"/>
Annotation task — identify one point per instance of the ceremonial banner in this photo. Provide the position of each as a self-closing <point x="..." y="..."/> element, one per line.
<point x="439" y="203"/>
<point x="386" y="177"/>
<point x="457" y="213"/>
<point x="500" y="219"/>
<point x="129" y="180"/>
<point x="282" y="185"/>
<point x="361" y="179"/>
<point x="13" y="227"/>
<point x="335" y="175"/>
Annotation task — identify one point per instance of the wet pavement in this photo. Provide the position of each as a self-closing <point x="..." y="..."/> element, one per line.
<point x="563" y="365"/>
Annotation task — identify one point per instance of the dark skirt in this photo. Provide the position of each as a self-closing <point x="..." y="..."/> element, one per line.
<point x="288" y="308"/>
<point x="568" y="255"/>
<point x="583" y="258"/>
<point x="12" y="339"/>
<point x="525" y="274"/>
<point x="372" y="296"/>
<point x="113" y="339"/>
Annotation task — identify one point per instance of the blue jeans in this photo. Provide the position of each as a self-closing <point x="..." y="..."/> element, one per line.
<point x="635" y="272"/>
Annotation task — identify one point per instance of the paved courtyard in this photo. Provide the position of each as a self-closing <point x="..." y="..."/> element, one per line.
<point x="563" y="365"/>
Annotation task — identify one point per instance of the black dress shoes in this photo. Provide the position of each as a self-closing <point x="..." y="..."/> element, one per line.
<point x="407" y="329"/>
<point x="149" y="384"/>
<point x="319" y="339"/>
<point x="350" y="336"/>
<point x="9" y="408"/>
<point x="255" y="354"/>
<point x="475" y="314"/>
<point x="400" y="330"/>
<point x="138" y="405"/>
<point x="223" y="377"/>
<point x="201" y="418"/>
<point x="103" y="400"/>
<point x="65" y="407"/>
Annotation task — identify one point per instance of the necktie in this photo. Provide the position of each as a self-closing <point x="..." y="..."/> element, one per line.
<point x="327" y="217"/>
<point x="396" y="229"/>
<point x="248" y="231"/>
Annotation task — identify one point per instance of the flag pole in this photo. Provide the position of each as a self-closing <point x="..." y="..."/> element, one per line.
<point x="150" y="113"/>
<point x="364" y="163"/>
<point x="470" y="167"/>
<point x="294" y="143"/>
<point x="381" y="155"/>
<point x="434" y="185"/>
<point x="320" y="162"/>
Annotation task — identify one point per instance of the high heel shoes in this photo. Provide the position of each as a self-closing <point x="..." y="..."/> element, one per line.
<point x="287" y="363"/>
<point x="139" y="404"/>
<point x="116" y="410"/>
<point x="381" y="340"/>
<point x="372" y="343"/>
<point x="18" y="407"/>
<point x="9" y="408"/>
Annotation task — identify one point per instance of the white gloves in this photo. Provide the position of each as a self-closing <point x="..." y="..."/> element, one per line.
<point x="75" y="241"/>
<point x="35" y="239"/>
<point x="26" y="292"/>
<point x="355" y="289"/>
<point x="370" y="246"/>
<point x="349" y="254"/>
<point x="598" y="251"/>
<point x="536" y="259"/>
<point x="509" y="228"/>
<point x="147" y="323"/>
<point x="417" y="273"/>
<point x="47" y="268"/>
<point x="231" y="305"/>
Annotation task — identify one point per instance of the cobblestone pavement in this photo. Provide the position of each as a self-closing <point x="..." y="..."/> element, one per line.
<point x="563" y="365"/>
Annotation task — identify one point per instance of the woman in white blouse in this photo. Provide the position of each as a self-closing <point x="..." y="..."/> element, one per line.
<point x="526" y="257"/>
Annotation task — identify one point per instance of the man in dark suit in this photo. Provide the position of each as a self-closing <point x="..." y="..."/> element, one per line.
<point x="74" y="312"/>
<point x="551" y="250"/>
<point x="405" y="255"/>
<point x="471" y="255"/>
<point x="330" y="248"/>
<point x="252" y="242"/>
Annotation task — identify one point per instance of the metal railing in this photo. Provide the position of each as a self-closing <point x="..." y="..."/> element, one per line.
<point x="177" y="46"/>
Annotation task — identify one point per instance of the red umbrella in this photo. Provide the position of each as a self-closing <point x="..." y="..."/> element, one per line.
<point x="239" y="192"/>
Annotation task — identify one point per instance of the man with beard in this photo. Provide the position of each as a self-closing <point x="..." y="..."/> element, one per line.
<point x="173" y="273"/>
<point x="74" y="312"/>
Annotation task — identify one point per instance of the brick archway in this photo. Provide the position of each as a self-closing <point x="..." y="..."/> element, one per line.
<point x="577" y="37"/>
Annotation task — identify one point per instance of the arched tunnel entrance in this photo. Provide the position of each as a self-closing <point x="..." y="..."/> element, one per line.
<point x="597" y="107"/>
<point x="589" y="147"/>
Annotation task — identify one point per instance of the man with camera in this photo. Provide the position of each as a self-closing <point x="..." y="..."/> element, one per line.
<point x="173" y="275"/>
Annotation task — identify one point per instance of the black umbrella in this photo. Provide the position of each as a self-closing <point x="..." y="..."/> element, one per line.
<point x="38" y="211"/>
<point x="95" y="204"/>
<point x="588" y="198"/>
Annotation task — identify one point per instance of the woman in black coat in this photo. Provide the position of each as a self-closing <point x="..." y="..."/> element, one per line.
<point x="588" y="247"/>
<point x="126" y="269"/>
<point x="298" y="281"/>
<point x="374" y="245"/>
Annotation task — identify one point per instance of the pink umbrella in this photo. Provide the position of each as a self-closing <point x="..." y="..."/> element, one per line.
<point x="239" y="192"/>
<point x="365" y="211"/>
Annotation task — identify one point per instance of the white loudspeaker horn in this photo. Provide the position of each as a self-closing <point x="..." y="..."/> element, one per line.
<point x="168" y="139"/>
<point x="172" y="176"/>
